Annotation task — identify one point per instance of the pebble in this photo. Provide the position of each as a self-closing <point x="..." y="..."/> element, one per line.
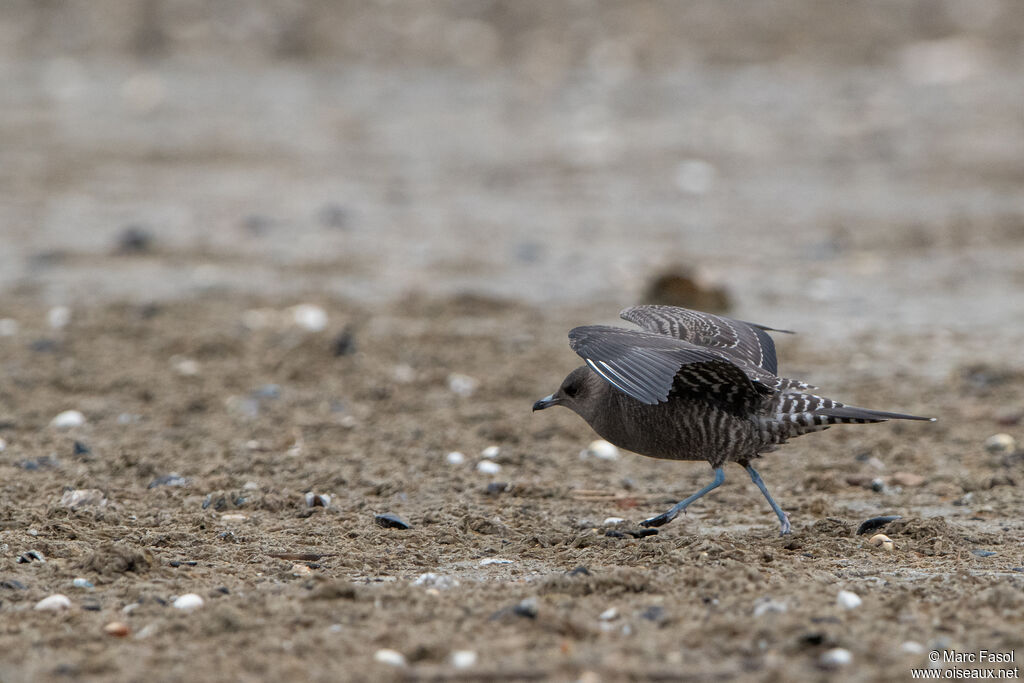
<point x="488" y="467"/>
<point x="309" y="317"/>
<point x="188" y="601"/>
<point x="314" y="500"/>
<point x="438" y="581"/>
<point x="8" y="327"/>
<point x="608" y="614"/>
<point x="3" y="445"/>
<point x="836" y="658"/>
<point x="83" y="583"/>
<point x="172" y="479"/>
<point x="58" y="317"/>
<point x="491" y="452"/>
<point x="80" y="498"/>
<point x="766" y="605"/>
<point x="391" y="521"/>
<point x="487" y="561"/>
<point x="233" y="517"/>
<point x="908" y="479"/>
<point x="68" y="419"/>
<point x="463" y="385"/>
<point x="31" y="556"/>
<point x="118" y="629"/>
<point x="983" y="553"/>
<point x="389" y="657"/>
<point x="134" y="239"/>
<point x="600" y="449"/>
<point x="55" y="602"/>
<point x="912" y="647"/>
<point x="463" y="659"/>
<point x="1000" y="443"/>
<point x="299" y="569"/>
<point x="345" y="343"/>
<point x="882" y="541"/>
<point x="612" y="521"/>
<point x="848" y="600"/>
<point x="186" y="367"/>
<point x="455" y="458"/>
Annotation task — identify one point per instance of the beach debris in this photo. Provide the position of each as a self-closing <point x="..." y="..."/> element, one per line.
<point x="68" y="419"/>
<point x="487" y="561"/>
<point x="117" y="629"/>
<point x="491" y="452"/>
<point x="188" y="601"/>
<point x="882" y="541"/>
<point x="463" y="659"/>
<point x="58" y="317"/>
<point x="85" y="584"/>
<point x="488" y="467"/>
<point x="309" y="317"/>
<point x="314" y="500"/>
<point x="463" y="385"/>
<point x="435" y="581"/>
<point x="600" y="449"/>
<point x="455" y="458"/>
<point x="609" y="614"/>
<point x="389" y="657"/>
<point x="54" y="603"/>
<point x="389" y="520"/>
<point x="836" y="658"/>
<point x="767" y="605"/>
<point x="80" y="498"/>
<point x="848" y="600"/>
<point x="172" y="479"/>
<point x="1000" y="443"/>
<point x="875" y="523"/>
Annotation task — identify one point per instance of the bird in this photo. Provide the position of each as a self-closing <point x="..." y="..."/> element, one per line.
<point x="695" y="386"/>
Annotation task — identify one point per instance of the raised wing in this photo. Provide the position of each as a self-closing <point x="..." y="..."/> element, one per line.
<point x="747" y="342"/>
<point x="646" y="365"/>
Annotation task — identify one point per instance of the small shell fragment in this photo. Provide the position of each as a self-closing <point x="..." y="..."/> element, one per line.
<point x="600" y="449"/>
<point x="1000" y="443"/>
<point x="455" y="458"/>
<point x="54" y="603"/>
<point x="68" y="419"/>
<point x="188" y="601"/>
<point x="491" y="452"/>
<point x="848" y="600"/>
<point x="389" y="657"/>
<point x="322" y="500"/>
<point x="882" y="541"/>
<point x="488" y="467"/>
<point x="463" y="659"/>
<point x="299" y="569"/>
<point x="118" y="629"/>
<point x="836" y="658"/>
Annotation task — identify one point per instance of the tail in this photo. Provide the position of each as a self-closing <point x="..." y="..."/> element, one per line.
<point x="797" y="413"/>
<point x="853" y="414"/>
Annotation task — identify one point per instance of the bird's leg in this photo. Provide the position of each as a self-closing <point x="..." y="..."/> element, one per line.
<point x="756" y="478"/>
<point x="671" y="514"/>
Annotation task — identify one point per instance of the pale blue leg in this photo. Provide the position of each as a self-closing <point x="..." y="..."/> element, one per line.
<point x="756" y="478"/>
<point x="667" y="517"/>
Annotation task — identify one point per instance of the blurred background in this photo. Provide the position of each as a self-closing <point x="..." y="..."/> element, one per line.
<point x="833" y="166"/>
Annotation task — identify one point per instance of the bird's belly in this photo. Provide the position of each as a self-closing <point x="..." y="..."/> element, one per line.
<point x="679" y="430"/>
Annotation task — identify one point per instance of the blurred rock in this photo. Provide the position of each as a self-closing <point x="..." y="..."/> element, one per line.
<point x="1000" y="443"/>
<point x="68" y="419"/>
<point x="79" y="498"/>
<point x="680" y="286"/>
<point x="134" y="239"/>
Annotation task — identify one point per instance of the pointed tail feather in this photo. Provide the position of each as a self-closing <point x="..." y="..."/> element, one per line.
<point x="854" y="413"/>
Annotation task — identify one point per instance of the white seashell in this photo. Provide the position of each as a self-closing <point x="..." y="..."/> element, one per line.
<point x="463" y="659"/>
<point x="309" y="317"/>
<point x="1000" y="443"/>
<point x="848" y="600"/>
<point x="488" y="467"/>
<point x="493" y="560"/>
<point x="54" y="603"/>
<point x="491" y="452"/>
<point x="68" y="419"/>
<point x="389" y="657"/>
<point x="836" y="658"/>
<point x="188" y="601"/>
<point x="455" y="458"/>
<point x="600" y="449"/>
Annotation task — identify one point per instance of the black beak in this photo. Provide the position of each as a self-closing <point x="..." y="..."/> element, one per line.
<point x="545" y="402"/>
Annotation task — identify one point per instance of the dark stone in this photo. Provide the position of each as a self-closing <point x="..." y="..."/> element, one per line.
<point x="983" y="553"/>
<point x="81" y="449"/>
<point x="134" y="239"/>
<point x="580" y="571"/>
<point x="496" y="488"/>
<point x="13" y="584"/>
<point x="44" y="345"/>
<point x="30" y="556"/>
<point x="345" y="343"/>
<point x="391" y="521"/>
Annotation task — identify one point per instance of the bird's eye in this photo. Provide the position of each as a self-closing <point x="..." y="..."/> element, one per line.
<point x="571" y="390"/>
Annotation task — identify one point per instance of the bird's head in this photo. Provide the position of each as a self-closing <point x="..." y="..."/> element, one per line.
<point x="578" y="393"/>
